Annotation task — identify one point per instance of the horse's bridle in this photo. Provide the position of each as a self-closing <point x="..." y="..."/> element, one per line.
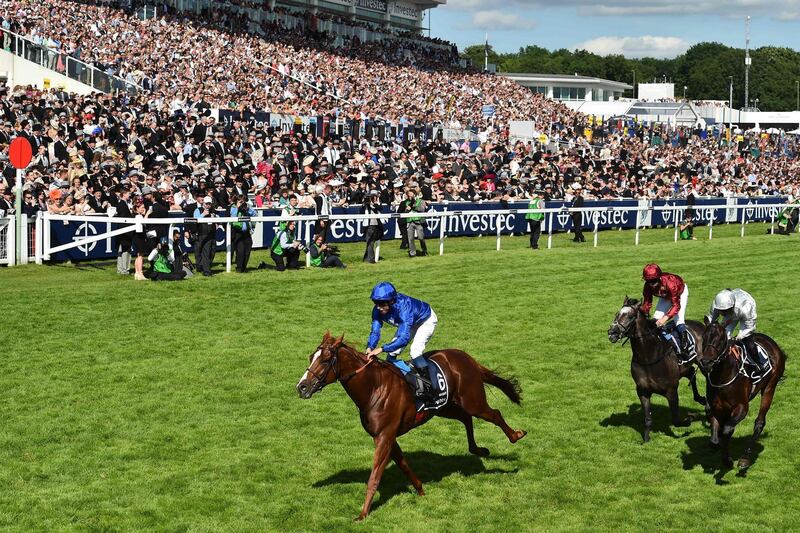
<point x="723" y="353"/>
<point x="626" y="332"/>
<point x="331" y="364"/>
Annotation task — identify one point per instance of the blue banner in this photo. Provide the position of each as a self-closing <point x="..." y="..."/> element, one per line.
<point x="466" y="219"/>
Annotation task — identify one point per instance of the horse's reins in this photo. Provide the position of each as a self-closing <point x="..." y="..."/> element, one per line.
<point x="626" y="333"/>
<point x="723" y="353"/>
<point x="329" y="365"/>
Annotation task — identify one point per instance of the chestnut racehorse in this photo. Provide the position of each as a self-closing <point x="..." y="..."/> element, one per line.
<point x="730" y="389"/>
<point x="387" y="405"/>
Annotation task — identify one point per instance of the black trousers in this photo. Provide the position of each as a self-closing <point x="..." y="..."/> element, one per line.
<point x="536" y="232"/>
<point x="204" y="253"/>
<point x="332" y="261"/>
<point x="402" y="225"/>
<point x="576" y="227"/>
<point x="289" y="259"/>
<point x="373" y="236"/>
<point x="242" y="244"/>
<point x="171" y="276"/>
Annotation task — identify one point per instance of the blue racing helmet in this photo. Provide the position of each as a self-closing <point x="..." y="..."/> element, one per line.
<point x="383" y="292"/>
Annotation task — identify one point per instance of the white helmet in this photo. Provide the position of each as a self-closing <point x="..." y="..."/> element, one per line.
<point x="724" y="300"/>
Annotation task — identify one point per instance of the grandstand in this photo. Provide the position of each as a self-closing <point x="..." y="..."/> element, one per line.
<point x="255" y="104"/>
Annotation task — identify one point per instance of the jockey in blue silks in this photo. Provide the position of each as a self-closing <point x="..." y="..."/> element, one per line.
<point x="415" y="322"/>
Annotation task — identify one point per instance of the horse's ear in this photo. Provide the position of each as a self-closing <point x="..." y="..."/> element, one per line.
<point x="706" y="321"/>
<point x="339" y="341"/>
<point x="327" y="335"/>
<point x="626" y="300"/>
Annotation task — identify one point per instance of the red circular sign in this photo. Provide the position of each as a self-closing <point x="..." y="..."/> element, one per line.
<point x="19" y="153"/>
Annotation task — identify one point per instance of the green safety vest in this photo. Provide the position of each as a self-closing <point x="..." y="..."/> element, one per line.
<point x="686" y="234"/>
<point x="783" y="216"/>
<point x="276" y="241"/>
<point x="161" y="264"/>
<point x="534" y="204"/>
<point x="316" y="261"/>
<point x="417" y="203"/>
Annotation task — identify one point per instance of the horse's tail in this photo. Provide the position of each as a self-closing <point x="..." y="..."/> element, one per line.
<point x="510" y="386"/>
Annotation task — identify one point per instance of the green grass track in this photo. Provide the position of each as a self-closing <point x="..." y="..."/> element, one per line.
<point x="130" y="406"/>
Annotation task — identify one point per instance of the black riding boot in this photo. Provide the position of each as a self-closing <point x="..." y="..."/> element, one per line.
<point x="761" y="362"/>
<point x="683" y="341"/>
<point x="414" y="383"/>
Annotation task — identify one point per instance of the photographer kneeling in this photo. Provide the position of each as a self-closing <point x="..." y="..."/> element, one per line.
<point x="162" y="260"/>
<point x="285" y="249"/>
<point x="324" y="255"/>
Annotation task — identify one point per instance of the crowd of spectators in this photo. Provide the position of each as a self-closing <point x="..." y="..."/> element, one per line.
<point x="164" y="143"/>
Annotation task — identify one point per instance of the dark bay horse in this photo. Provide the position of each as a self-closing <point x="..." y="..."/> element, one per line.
<point x="654" y="365"/>
<point x="730" y="389"/>
<point x="387" y="406"/>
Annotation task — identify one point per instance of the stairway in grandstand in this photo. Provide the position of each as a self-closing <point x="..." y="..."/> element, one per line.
<point x="32" y="63"/>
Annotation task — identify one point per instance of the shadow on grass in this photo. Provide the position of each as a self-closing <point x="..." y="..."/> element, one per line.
<point x="430" y="467"/>
<point x="701" y="454"/>
<point x="662" y="420"/>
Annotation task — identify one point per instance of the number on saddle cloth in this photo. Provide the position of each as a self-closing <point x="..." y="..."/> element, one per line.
<point x="444" y="390"/>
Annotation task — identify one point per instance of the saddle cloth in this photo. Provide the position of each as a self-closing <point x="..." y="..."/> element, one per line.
<point x="692" y="344"/>
<point x="444" y="390"/>
<point x="751" y="363"/>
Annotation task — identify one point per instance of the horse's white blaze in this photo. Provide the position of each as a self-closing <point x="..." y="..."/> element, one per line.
<point x="305" y="375"/>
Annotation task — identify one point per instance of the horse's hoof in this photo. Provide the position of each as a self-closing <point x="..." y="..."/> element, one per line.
<point x="646" y="438"/>
<point x="480" y="452"/>
<point x="518" y="435"/>
<point x="744" y="464"/>
<point x="360" y="518"/>
<point x="686" y="422"/>
<point x="421" y="492"/>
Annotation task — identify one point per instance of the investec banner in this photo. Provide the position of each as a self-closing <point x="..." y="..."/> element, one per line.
<point x="404" y="10"/>
<point x="372" y="5"/>
<point x="466" y="219"/>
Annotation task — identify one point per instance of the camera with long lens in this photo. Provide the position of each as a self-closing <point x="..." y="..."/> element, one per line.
<point x="332" y="250"/>
<point x="301" y="246"/>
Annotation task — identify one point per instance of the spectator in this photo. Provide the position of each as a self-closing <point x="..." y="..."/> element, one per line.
<point x="416" y="225"/>
<point x="242" y="239"/>
<point x="374" y="227"/>
<point x="535" y="219"/>
<point x="140" y="241"/>
<point x="163" y="266"/>
<point x="324" y="255"/>
<point x="285" y="249"/>
<point x="577" y="216"/>
<point x="206" y="237"/>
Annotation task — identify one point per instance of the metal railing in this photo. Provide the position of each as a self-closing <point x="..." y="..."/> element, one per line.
<point x="45" y="249"/>
<point x="66" y="65"/>
<point x="7" y="240"/>
<point x="336" y="96"/>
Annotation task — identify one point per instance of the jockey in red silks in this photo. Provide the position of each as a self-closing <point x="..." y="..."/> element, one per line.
<point x="673" y="295"/>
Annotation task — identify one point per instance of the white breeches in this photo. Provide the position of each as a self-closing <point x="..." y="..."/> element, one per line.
<point x="420" y="337"/>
